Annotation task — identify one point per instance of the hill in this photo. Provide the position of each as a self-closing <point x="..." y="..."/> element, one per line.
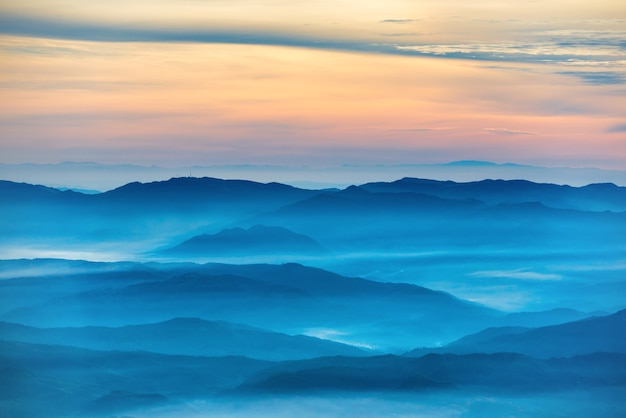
<point x="492" y="372"/>
<point x="587" y="336"/>
<point x="184" y="336"/>
<point x="258" y="240"/>
<point x="288" y="298"/>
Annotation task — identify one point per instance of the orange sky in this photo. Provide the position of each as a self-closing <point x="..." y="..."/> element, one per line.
<point x="236" y="82"/>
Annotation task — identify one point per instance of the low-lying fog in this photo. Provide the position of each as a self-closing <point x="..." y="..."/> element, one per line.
<point x="433" y="405"/>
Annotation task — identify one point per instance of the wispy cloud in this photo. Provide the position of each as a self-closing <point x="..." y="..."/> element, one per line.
<point x="399" y="21"/>
<point x="29" y="26"/>
<point x="504" y="131"/>
<point x="598" y="78"/>
<point x="520" y="274"/>
<point x="418" y="129"/>
<point x="337" y="336"/>
<point x="87" y="118"/>
<point x="596" y="57"/>
<point x="599" y="55"/>
<point x="608" y="49"/>
<point x="617" y="128"/>
<point x="401" y="34"/>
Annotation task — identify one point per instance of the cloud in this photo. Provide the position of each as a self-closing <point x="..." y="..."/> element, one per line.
<point x="86" y="118"/>
<point x="541" y="50"/>
<point x="597" y="78"/>
<point x="398" y="21"/>
<point x="504" y="131"/>
<point x="560" y="49"/>
<point x="617" y="128"/>
<point x="27" y="26"/>
<point x="519" y="274"/>
<point x="401" y="34"/>
<point x="336" y="336"/>
<point x="587" y="50"/>
<point x="417" y="129"/>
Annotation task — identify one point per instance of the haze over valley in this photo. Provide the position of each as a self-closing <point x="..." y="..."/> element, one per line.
<point x="406" y="295"/>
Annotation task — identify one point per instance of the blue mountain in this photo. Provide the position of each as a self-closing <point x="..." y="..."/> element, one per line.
<point x="586" y="336"/>
<point x="185" y="336"/>
<point x="594" y="197"/>
<point x="288" y="298"/>
<point x="480" y="373"/>
<point x="257" y="240"/>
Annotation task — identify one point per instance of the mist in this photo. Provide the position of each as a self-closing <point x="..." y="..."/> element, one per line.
<point x="203" y="296"/>
<point x="582" y="403"/>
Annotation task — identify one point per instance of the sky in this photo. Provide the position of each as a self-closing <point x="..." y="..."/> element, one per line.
<point x="318" y="83"/>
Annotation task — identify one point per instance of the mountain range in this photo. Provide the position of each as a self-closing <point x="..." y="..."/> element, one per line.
<point x="593" y="197"/>
<point x="104" y="383"/>
<point x="411" y="212"/>
<point x="517" y="238"/>
<point x="90" y="175"/>
<point x="288" y="298"/>
<point x="411" y="297"/>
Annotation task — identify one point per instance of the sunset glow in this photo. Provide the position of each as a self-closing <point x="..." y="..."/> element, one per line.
<point x="324" y="83"/>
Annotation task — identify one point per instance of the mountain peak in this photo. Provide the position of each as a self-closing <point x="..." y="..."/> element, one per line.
<point x="354" y="190"/>
<point x="259" y="239"/>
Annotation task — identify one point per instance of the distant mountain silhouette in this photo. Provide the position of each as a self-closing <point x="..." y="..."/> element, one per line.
<point x="182" y="192"/>
<point x="24" y="193"/>
<point x="472" y="163"/>
<point x="406" y="215"/>
<point x="596" y="197"/>
<point x="189" y="193"/>
<point x="183" y="336"/>
<point x="597" y="334"/>
<point x="164" y="208"/>
<point x="258" y="240"/>
<point x="357" y="220"/>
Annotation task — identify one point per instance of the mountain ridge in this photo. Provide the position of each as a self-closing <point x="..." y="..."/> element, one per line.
<point x="581" y="337"/>
<point x="185" y="336"/>
<point x="594" y="196"/>
<point x="288" y="298"/>
<point x="257" y="240"/>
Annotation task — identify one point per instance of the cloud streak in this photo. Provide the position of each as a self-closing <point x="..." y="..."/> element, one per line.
<point x="598" y="78"/>
<point x="504" y="131"/>
<point x="543" y="49"/>
<point x="617" y="128"/>
<point x="27" y="26"/>
<point x="417" y="129"/>
<point x="583" y="49"/>
<point x="519" y="274"/>
<point x="398" y="21"/>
